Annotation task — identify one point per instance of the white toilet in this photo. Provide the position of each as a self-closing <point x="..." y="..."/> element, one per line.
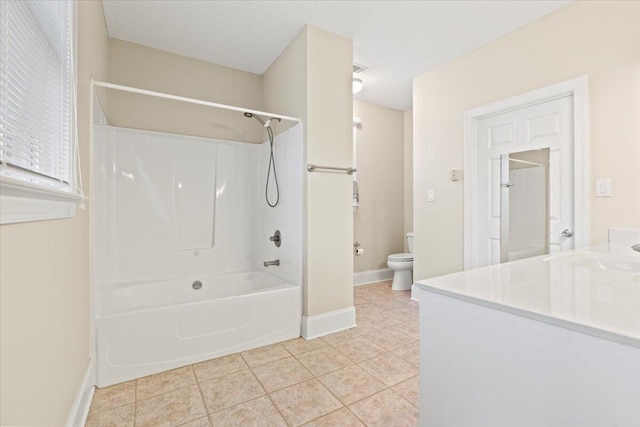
<point x="402" y="266"/>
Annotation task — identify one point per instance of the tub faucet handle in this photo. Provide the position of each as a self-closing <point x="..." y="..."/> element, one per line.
<point x="270" y="263"/>
<point x="276" y="238"/>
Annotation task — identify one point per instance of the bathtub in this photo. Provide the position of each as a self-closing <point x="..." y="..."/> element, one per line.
<point x="146" y="328"/>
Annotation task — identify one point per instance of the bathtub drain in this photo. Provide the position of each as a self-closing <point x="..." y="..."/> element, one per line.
<point x="196" y="285"/>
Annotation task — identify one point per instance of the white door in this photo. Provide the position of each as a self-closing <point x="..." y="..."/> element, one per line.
<point x="544" y="125"/>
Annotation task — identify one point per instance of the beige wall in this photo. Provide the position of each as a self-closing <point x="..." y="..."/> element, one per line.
<point x="329" y="142"/>
<point x="311" y="79"/>
<point x="134" y="65"/>
<point x="599" y="39"/>
<point x="44" y="281"/>
<point x="408" y="173"/>
<point x="379" y="221"/>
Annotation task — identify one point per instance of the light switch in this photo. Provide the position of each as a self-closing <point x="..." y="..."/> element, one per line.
<point x="603" y="187"/>
<point x="431" y="195"/>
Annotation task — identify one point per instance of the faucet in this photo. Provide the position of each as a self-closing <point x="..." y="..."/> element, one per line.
<point x="269" y="263"/>
<point x="636" y="247"/>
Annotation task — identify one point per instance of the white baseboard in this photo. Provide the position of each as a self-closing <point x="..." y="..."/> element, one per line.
<point x="80" y="408"/>
<point x="328" y="323"/>
<point x="371" y="276"/>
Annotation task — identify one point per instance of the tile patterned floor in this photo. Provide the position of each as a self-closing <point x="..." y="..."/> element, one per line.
<point x="365" y="376"/>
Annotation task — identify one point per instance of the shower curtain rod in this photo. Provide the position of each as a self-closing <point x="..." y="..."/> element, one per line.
<point x="191" y="100"/>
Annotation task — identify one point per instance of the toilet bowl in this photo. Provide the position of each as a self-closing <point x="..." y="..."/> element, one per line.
<point x="402" y="266"/>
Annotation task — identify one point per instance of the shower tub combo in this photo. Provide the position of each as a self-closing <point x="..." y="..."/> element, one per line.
<point x="181" y="233"/>
<point x="153" y="327"/>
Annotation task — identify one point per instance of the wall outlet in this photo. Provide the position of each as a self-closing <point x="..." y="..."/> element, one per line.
<point x="431" y="195"/>
<point x="603" y="187"/>
<point x="455" y="175"/>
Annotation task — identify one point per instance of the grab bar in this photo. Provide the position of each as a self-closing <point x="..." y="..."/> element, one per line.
<point x="312" y="168"/>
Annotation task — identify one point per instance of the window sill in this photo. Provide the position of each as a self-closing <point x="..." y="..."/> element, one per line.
<point x="22" y="202"/>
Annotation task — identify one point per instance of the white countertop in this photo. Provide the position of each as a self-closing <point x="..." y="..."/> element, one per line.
<point x="592" y="290"/>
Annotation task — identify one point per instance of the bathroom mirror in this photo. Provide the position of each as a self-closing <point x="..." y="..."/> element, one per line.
<point x="524" y="221"/>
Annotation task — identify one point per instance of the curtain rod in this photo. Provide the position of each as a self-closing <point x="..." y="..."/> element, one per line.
<point x="191" y="100"/>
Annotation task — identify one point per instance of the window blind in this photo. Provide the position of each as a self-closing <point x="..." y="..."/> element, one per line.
<point x="35" y="89"/>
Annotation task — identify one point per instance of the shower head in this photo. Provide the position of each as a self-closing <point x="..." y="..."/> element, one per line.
<point x="266" y="124"/>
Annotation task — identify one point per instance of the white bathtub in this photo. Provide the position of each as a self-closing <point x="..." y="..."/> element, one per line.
<point x="147" y="328"/>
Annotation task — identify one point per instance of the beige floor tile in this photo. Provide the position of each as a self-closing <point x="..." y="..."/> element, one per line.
<point x="386" y="409"/>
<point x="367" y="325"/>
<point x="200" y="422"/>
<point x="304" y="402"/>
<point x="300" y="345"/>
<point x="340" y="418"/>
<point x="118" y="417"/>
<point x="368" y="310"/>
<point x="411" y="313"/>
<point x="351" y="384"/>
<point x="409" y="389"/>
<point x="389" y="369"/>
<point x="281" y="373"/>
<point x="170" y="409"/>
<point x="394" y="318"/>
<point x="164" y="382"/>
<point x="389" y="338"/>
<point x="388" y="303"/>
<point x="410" y="329"/>
<point x="341" y="336"/>
<point x="359" y="300"/>
<point x="259" y="412"/>
<point x="219" y="367"/>
<point x="409" y="353"/>
<point x="265" y="354"/>
<point x="111" y="397"/>
<point x="323" y="360"/>
<point x="359" y="349"/>
<point x="224" y="392"/>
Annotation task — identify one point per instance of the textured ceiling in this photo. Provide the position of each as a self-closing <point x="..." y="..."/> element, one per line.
<point x="397" y="40"/>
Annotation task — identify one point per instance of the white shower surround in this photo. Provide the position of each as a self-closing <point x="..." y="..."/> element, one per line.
<point x="169" y="210"/>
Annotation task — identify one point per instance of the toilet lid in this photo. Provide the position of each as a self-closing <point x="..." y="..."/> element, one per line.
<point x="401" y="257"/>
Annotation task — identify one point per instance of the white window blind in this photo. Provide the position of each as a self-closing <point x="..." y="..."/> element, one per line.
<point x="36" y="66"/>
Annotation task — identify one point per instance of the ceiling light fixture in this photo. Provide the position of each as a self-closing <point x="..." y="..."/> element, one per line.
<point x="357" y="85"/>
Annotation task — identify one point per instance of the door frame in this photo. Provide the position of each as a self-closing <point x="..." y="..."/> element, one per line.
<point x="578" y="88"/>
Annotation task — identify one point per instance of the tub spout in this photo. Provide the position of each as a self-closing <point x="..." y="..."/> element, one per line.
<point x="269" y="263"/>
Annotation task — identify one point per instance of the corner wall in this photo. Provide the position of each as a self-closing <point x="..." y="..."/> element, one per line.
<point x="600" y="39"/>
<point x="44" y="280"/>
<point x="311" y="79"/>
<point x="408" y="173"/>
<point x="379" y="221"/>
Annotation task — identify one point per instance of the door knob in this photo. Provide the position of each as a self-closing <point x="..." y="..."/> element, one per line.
<point x="567" y="233"/>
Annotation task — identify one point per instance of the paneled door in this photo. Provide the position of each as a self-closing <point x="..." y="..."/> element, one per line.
<point x="543" y="125"/>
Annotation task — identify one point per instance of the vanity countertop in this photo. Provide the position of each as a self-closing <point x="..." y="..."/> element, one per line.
<point x="592" y="290"/>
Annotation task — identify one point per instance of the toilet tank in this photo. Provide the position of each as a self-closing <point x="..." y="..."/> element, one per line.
<point x="410" y="241"/>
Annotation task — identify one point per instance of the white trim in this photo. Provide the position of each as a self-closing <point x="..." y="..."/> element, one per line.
<point x="372" y="276"/>
<point x="328" y="323"/>
<point x="578" y="88"/>
<point x="81" y="403"/>
<point x="193" y="101"/>
<point x="24" y="209"/>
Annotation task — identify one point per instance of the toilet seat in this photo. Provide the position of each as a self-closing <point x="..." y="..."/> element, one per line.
<point x="404" y="257"/>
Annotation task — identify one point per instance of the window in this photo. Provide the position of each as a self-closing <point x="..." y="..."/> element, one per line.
<point x="37" y="153"/>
